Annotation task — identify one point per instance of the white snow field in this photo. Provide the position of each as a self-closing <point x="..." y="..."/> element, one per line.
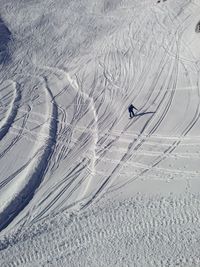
<point x="81" y="184"/>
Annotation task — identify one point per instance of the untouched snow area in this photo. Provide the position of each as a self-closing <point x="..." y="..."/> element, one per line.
<point x="81" y="184"/>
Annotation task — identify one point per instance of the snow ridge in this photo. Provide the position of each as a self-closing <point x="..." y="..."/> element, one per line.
<point x="11" y="113"/>
<point x="19" y="193"/>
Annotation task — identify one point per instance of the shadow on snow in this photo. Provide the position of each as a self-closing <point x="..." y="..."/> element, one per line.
<point x="144" y="113"/>
<point x="5" y="37"/>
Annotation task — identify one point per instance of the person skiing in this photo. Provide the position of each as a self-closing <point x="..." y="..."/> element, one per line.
<point x="130" y="109"/>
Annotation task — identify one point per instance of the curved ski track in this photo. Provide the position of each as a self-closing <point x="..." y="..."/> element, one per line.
<point x="137" y="143"/>
<point x="18" y="188"/>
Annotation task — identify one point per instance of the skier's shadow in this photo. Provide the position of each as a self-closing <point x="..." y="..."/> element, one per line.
<point x="143" y="113"/>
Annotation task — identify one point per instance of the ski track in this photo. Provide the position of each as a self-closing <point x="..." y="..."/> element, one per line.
<point x="72" y="152"/>
<point x="133" y="147"/>
<point x="30" y="175"/>
<point x="7" y="121"/>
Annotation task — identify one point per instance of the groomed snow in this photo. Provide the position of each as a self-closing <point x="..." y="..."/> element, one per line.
<point x="81" y="184"/>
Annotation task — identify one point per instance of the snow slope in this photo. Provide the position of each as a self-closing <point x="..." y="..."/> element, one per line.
<point x="81" y="184"/>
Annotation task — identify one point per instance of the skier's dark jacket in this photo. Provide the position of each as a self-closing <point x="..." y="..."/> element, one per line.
<point x="131" y="107"/>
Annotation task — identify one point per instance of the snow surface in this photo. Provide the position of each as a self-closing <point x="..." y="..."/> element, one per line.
<point x="81" y="184"/>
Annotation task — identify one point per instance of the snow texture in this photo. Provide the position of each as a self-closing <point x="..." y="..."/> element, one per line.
<point x="81" y="184"/>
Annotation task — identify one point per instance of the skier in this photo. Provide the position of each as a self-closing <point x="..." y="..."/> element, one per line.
<point x="130" y="109"/>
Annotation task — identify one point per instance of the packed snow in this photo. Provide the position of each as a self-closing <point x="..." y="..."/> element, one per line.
<point x="82" y="184"/>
